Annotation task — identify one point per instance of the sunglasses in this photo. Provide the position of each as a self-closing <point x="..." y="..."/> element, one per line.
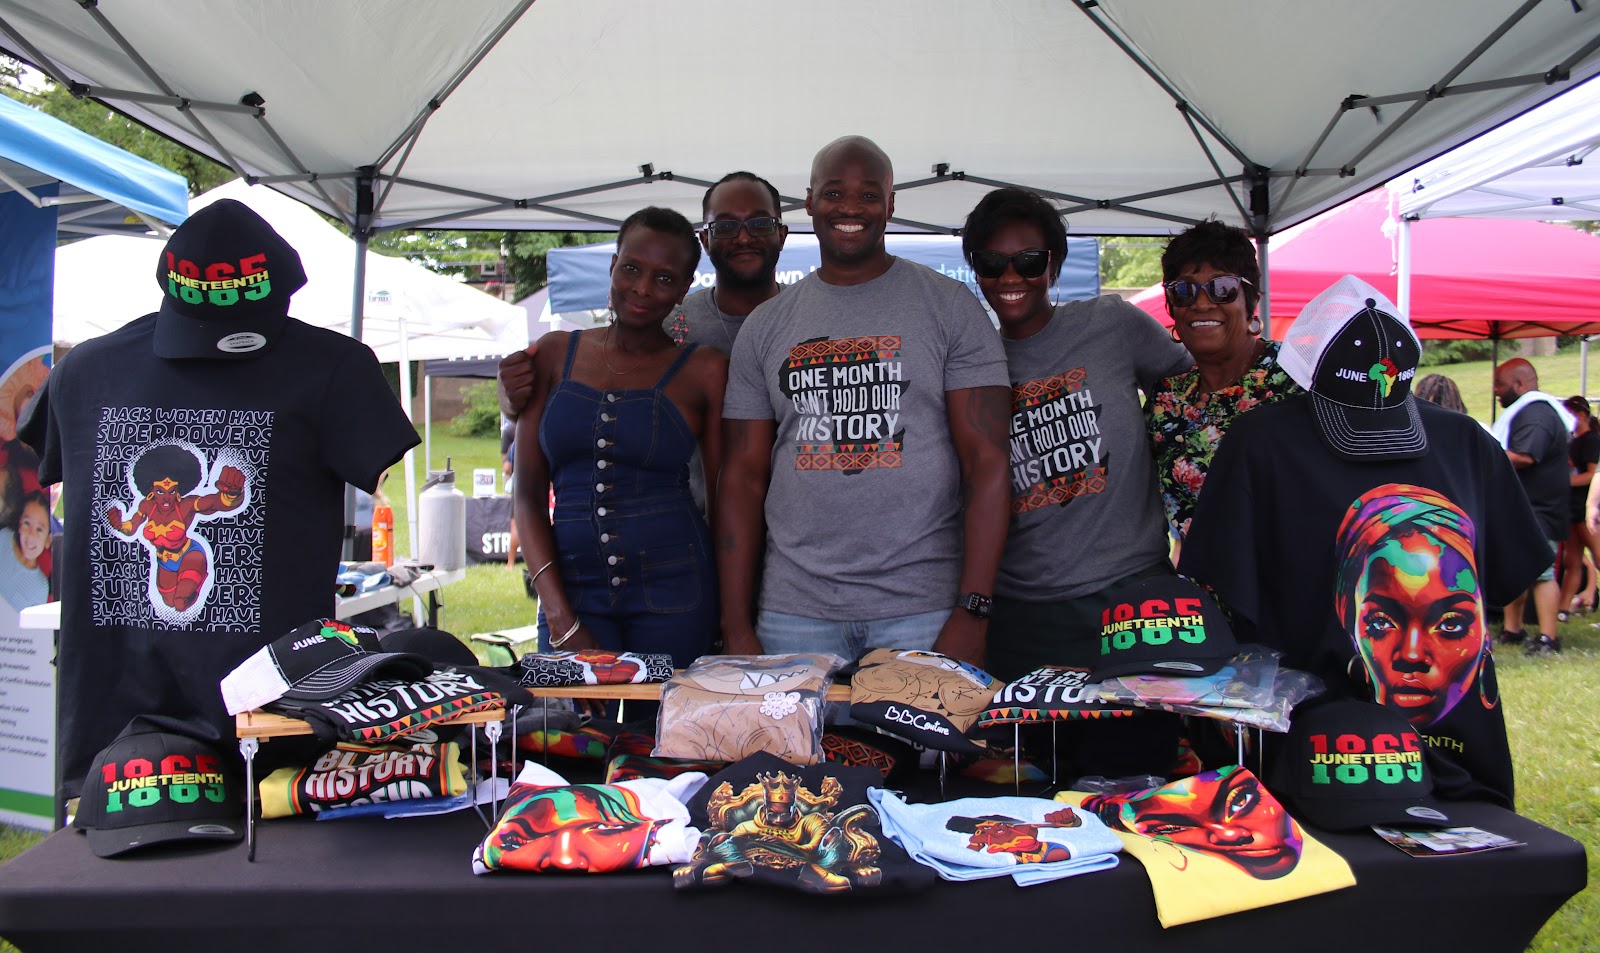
<point x="1029" y="264"/>
<point x="1221" y="290"/>
<point x="759" y="227"/>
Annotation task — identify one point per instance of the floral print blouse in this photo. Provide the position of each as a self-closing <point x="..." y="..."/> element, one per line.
<point x="1186" y="425"/>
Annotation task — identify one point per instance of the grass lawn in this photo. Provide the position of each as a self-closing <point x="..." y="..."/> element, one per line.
<point x="1559" y="375"/>
<point x="1552" y="704"/>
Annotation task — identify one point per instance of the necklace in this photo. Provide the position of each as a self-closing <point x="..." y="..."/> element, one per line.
<point x="722" y="321"/>
<point x="611" y="333"/>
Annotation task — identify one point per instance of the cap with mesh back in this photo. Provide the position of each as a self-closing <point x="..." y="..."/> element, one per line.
<point x="1357" y="354"/>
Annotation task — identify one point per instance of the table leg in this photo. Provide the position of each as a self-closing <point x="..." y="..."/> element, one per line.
<point x="1016" y="757"/>
<point x="433" y="608"/>
<point x="248" y="747"/>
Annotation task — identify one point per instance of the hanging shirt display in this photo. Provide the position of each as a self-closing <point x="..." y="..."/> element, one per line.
<point x="203" y="496"/>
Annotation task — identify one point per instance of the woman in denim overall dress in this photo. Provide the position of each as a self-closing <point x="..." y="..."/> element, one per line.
<point x="624" y="562"/>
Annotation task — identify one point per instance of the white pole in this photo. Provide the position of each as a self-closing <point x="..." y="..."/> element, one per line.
<point x="1404" y="282"/>
<point x="1583" y="366"/>
<point x="427" y="421"/>
<point x="411" y="472"/>
<point x="1264" y="306"/>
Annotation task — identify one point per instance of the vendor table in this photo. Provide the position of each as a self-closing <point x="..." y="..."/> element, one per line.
<point x="408" y="885"/>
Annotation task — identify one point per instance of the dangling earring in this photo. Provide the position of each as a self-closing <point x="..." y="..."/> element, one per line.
<point x="1254" y="326"/>
<point x="1483" y="687"/>
<point x="680" y="326"/>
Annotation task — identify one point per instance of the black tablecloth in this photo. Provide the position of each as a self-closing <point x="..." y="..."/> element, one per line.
<point x="488" y="528"/>
<point x="407" y="885"/>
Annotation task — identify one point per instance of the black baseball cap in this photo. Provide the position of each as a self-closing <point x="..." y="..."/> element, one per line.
<point x="450" y="654"/>
<point x="226" y="278"/>
<point x="1161" y="625"/>
<point x="318" y="660"/>
<point x="154" y="786"/>
<point x="1357" y="355"/>
<point x="1349" y="763"/>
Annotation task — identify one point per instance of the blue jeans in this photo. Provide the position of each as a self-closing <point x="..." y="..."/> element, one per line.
<point x="781" y="633"/>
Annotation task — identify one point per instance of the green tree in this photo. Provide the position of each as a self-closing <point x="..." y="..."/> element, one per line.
<point x="1130" y="262"/>
<point x="108" y="125"/>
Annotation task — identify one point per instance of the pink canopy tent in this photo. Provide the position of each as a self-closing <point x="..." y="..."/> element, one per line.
<point x="1470" y="278"/>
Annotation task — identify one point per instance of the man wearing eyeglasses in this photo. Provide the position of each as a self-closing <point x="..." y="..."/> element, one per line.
<point x="743" y="236"/>
<point x="865" y="420"/>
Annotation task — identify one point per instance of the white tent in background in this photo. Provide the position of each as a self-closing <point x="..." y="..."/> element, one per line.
<point x="103" y="283"/>
<point x="411" y="313"/>
<point x="1533" y="167"/>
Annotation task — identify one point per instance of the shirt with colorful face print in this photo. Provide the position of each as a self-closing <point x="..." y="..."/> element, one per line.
<point x="204" y="506"/>
<point x="1374" y="576"/>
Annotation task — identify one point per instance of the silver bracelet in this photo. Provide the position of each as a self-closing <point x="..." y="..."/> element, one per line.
<point x="535" y="577"/>
<point x="557" y="643"/>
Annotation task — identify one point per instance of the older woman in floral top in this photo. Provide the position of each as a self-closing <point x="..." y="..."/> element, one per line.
<point x="1211" y="277"/>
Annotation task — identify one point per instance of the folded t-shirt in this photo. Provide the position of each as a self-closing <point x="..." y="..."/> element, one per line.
<point x="594" y="667"/>
<point x="1031" y="840"/>
<point x="353" y="774"/>
<point x="388" y="709"/>
<point x="549" y="825"/>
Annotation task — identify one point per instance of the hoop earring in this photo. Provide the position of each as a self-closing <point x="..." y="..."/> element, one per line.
<point x="1254" y="327"/>
<point x="1364" y="679"/>
<point x="1173" y="331"/>
<point x="1483" y="672"/>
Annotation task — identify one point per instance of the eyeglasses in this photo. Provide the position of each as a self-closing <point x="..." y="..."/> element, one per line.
<point x="1029" y="264"/>
<point x="759" y="227"/>
<point x="1221" y="290"/>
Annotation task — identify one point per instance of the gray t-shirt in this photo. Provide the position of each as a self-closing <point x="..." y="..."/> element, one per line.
<point x="706" y="325"/>
<point x="863" y="510"/>
<point x="1084" y="506"/>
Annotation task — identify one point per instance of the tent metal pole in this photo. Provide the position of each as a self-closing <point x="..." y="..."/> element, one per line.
<point x="358" y="304"/>
<point x="411" y="455"/>
<point x="1583" y="367"/>
<point x="1495" y="363"/>
<point x="427" y="419"/>
<point x="1403" y="289"/>
<point x="1264" y="306"/>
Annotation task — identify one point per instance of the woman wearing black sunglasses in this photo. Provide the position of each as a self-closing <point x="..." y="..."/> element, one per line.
<point x="1085" y="515"/>
<point x="1211" y="277"/>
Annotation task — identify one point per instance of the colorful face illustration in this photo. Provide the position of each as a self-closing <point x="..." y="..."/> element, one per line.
<point x="1409" y="597"/>
<point x="580" y="828"/>
<point x="1223" y="813"/>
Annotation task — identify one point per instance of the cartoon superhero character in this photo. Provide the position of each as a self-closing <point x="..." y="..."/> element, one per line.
<point x="1223" y="813"/>
<point x="1408" y="596"/>
<point x="595" y="828"/>
<point x="998" y="834"/>
<point x="778" y="824"/>
<point x="165" y="475"/>
<point x="610" y="668"/>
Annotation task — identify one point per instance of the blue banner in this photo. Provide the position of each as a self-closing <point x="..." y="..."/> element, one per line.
<point x="580" y="276"/>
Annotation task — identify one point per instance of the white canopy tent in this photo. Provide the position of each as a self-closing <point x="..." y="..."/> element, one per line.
<point x="1136" y="116"/>
<point x="1533" y="167"/>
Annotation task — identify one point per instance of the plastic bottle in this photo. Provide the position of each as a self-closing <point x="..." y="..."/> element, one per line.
<point x="383" y="534"/>
<point x="442" y="521"/>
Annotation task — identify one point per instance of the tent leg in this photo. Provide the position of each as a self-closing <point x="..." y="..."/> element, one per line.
<point x="1583" y="367"/>
<point x="1264" y="307"/>
<point x="427" y="420"/>
<point x="358" y="300"/>
<point x="1494" y="404"/>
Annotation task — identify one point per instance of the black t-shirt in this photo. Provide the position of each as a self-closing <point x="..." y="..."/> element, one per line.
<point x="1539" y="432"/>
<point x="203" y="514"/>
<point x="1584" y="450"/>
<point x="1376" y="572"/>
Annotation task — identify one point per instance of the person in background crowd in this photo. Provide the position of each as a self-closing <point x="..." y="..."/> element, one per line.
<point x="508" y="453"/>
<point x="1079" y="463"/>
<point x="625" y="561"/>
<point x="865" y="426"/>
<point x="23" y="541"/>
<point x="1535" y="431"/>
<point x="1212" y="281"/>
<point x="1584" y="454"/>
<point x="1440" y="390"/>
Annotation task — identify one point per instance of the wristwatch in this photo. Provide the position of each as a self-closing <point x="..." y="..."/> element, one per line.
<point x="975" y="603"/>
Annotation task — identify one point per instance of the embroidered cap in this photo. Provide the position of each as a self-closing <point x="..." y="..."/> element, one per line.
<point x="316" y="661"/>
